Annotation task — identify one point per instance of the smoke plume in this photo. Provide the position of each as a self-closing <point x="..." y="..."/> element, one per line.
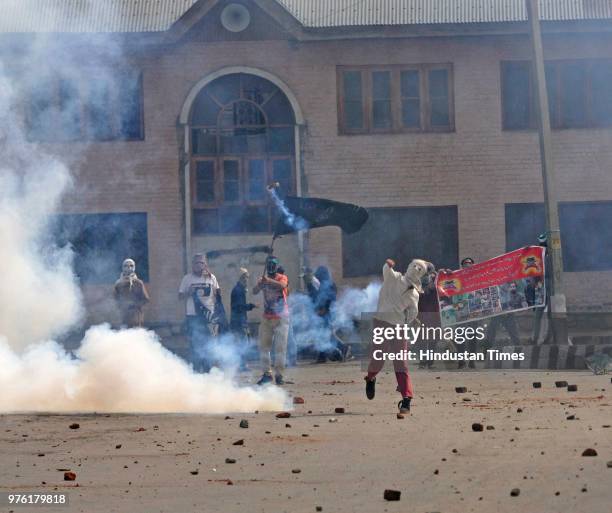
<point x="290" y="219"/>
<point x="112" y="371"/>
<point x="119" y="371"/>
<point x="310" y="330"/>
<point x="38" y="294"/>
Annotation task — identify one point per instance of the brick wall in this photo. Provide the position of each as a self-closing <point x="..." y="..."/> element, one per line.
<point x="479" y="167"/>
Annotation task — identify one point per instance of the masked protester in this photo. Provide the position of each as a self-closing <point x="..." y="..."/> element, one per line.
<point x="239" y="322"/>
<point x="201" y="293"/>
<point x="398" y="302"/>
<point x="274" y="327"/>
<point x="131" y="295"/>
<point x="323" y="292"/>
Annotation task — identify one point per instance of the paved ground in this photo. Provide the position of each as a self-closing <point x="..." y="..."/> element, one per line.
<point x="345" y="461"/>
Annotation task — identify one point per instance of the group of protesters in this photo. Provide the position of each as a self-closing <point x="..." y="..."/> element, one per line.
<point x="410" y="295"/>
<point x="206" y="322"/>
<point x="411" y="298"/>
<point x="429" y="313"/>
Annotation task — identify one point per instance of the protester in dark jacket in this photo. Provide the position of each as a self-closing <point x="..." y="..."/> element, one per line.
<point x="323" y="291"/>
<point x="239" y="321"/>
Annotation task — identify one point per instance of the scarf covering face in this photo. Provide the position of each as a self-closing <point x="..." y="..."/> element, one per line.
<point x="128" y="273"/>
<point x="415" y="272"/>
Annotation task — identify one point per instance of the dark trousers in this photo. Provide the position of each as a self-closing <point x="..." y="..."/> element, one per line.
<point x="200" y="334"/>
<point x="509" y="323"/>
<point x="334" y="351"/>
<point x="242" y="342"/>
<point x="333" y="348"/>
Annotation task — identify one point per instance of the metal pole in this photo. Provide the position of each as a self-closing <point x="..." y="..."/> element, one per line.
<point x="557" y="299"/>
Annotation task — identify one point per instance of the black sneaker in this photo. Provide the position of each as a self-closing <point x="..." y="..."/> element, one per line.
<point x="279" y="379"/>
<point x="404" y="405"/>
<point x="370" y="388"/>
<point x="266" y="378"/>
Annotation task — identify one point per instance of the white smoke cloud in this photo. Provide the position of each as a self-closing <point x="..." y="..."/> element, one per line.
<point x="353" y="302"/>
<point x="112" y="371"/>
<point x="38" y="294"/>
<point x="120" y="371"/>
<point x="310" y="331"/>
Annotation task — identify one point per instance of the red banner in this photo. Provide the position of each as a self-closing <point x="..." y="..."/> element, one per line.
<point x="507" y="283"/>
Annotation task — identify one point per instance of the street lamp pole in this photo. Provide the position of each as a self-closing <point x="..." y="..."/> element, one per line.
<point x="557" y="298"/>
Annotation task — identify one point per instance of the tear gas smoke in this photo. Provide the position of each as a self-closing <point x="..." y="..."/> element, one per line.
<point x="38" y="294"/>
<point x="120" y="371"/>
<point x="289" y="218"/>
<point x="310" y="330"/>
<point x="113" y="371"/>
<point x="353" y="302"/>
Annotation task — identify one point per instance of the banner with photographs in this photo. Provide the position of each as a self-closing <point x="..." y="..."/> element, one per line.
<point x="507" y="283"/>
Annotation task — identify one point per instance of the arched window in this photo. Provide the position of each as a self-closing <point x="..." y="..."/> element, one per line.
<point x="242" y="139"/>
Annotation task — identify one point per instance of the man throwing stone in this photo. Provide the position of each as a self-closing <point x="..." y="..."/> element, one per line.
<point x="398" y="302"/>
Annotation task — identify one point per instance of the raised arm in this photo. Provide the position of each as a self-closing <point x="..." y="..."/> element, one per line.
<point x="389" y="272"/>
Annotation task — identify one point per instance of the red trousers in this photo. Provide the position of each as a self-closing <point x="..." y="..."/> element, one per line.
<point x="404" y="383"/>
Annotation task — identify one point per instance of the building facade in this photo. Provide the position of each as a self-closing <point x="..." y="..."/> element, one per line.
<point x="425" y="118"/>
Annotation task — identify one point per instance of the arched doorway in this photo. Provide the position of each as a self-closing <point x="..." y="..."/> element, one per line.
<point x="241" y="129"/>
<point x="242" y="136"/>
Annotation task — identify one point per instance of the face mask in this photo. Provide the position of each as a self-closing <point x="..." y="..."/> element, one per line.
<point x="416" y="271"/>
<point x="271" y="267"/>
<point x="198" y="267"/>
<point x="425" y="280"/>
<point x="128" y="267"/>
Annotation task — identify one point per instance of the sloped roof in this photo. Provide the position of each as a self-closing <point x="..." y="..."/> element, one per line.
<point x="342" y="13"/>
<point x="91" y="15"/>
<point x="100" y="16"/>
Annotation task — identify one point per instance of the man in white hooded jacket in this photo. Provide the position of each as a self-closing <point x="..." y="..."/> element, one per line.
<point x="398" y="302"/>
